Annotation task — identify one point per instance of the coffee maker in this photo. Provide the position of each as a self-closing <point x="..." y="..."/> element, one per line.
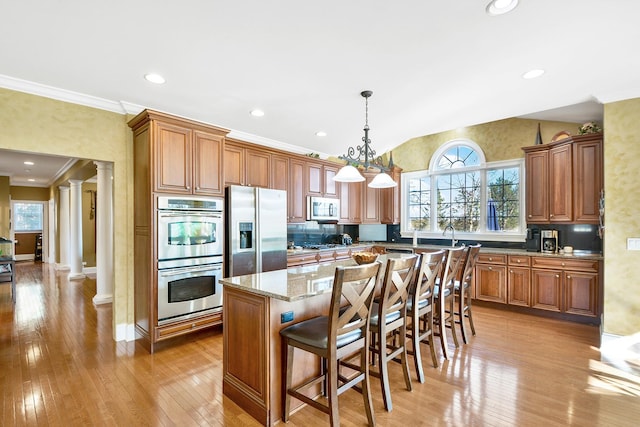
<point x="549" y="241"/>
<point x="533" y="240"/>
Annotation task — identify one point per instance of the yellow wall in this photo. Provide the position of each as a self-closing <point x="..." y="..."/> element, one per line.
<point x="622" y="198"/>
<point x="31" y="194"/>
<point x="88" y="225"/>
<point x="35" y="124"/>
<point x="500" y="140"/>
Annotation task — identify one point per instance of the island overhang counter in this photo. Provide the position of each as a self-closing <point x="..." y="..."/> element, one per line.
<point x="256" y="307"/>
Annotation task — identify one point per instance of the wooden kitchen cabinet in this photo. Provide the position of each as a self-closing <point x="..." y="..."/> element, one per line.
<point x="566" y="285"/>
<point x="564" y="180"/>
<point x="370" y="200"/>
<point x="319" y="180"/>
<point x="390" y="199"/>
<point x="491" y="278"/>
<point x="279" y="172"/>
<point x="296" y="194"/>
<point x="560" y="184"/>
<point x="171" y="155"/>
<point x="246" y="166"/>
<point x="587" y="175"/>
<point x="350" y="203"/>
<point x="187" y="160"/>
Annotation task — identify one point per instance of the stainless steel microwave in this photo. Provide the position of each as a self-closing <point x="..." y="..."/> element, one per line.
<point x="323" y="209"/>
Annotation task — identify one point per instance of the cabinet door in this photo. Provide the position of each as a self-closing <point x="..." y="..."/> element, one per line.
<point x="370" y="201"/>
<point x="491" y="283"/>
<point x="560" y="184"/>
<point x="587" y="173"/>
<point x="257" y="168"/>
<point x="537" y="186"/>
<point x="546" y="289"/>
<point x="233" y="165"/>
<point x="314" y="179"/>
<point x="207" y="164"/>
<point x="390" y="200"/>
<point x="581" y="293"/>
<point x="350" y="202"/>
<point x="279" y="172"/>
<point x="296" y="193"/>
<point x="519" y="286"/>
<point x="331" y="188"/>
<point x="173" y="157"/>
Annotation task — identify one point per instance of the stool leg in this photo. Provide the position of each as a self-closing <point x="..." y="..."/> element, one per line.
<point x="332" y="373"/>
<point x="417" y="358"/>
<point x="470" y="314"/>
<point x="366" y="386"/>
<point x="288" y="374"/>
<point x="461" y="315"/>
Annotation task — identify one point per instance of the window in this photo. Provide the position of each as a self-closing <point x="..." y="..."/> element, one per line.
<point x="27" y="216"/>
<point x="481" y="200"/>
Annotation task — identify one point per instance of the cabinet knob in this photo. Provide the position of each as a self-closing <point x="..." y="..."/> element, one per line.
<point x="490" y="259"/>
<point x="198" y="188"/>
<point x="557" y="276"/>
<point x="511" y="271"/>
<point x="563" y="264"/>
<point x="491" y="268"/>
<point x="569" y="277"/>
<point x="188" y="187"/>
<point x="518" y="261"/>
<point x="529" y="216"/>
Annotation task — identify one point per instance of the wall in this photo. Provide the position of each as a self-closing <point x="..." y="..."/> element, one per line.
<point x="35" y="124"/>
<point x="32" y="194"/>
<point x="622" y="198"/>
<point x="500" y="140"/>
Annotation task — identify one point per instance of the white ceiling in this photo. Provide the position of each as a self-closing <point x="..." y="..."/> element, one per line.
<point x="432" y="66"/>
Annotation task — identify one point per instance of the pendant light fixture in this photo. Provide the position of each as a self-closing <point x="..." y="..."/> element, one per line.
<point x="365" y="156"/>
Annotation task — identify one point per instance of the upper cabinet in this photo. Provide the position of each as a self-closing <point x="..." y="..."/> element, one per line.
<point x="564" y="180"/>
<point x="246" y="166"/>
<point x="185" y="157"/>
<point x="390" y="199"/>
<point x="319" y="179"/>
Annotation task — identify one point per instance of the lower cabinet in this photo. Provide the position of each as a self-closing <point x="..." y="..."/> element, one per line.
<point x="491" y="278"/>
<point x="557" y="284"/>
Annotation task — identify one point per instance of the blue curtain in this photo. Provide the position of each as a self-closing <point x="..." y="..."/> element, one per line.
<point x="492" y="216"/>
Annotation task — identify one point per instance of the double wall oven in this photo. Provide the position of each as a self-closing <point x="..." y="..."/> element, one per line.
<point x="190" y="242"/>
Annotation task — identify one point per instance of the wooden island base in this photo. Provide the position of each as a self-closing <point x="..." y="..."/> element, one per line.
<point x="252" y="355"/>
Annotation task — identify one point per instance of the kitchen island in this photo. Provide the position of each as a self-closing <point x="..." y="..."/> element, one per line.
<point x="256" y="307"/>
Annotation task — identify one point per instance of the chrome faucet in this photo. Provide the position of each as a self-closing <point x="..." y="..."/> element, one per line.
<point x="453" y="234"/>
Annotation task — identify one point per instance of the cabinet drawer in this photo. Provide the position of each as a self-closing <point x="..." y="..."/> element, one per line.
<point x="168" y="331"/>
<point x="565" y="264"/>
<point x="326" y="256"/>
<point x="343" y="254"/>
<point x="294" y="260"/>
<point x="492" y="259"/>
<point x="519" y="261"/>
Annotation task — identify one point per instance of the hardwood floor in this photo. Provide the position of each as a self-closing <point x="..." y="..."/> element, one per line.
<point x="59" y="366"/>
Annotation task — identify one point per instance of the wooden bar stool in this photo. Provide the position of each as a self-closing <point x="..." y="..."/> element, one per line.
<point x="389" y="321"/>
<point x="444" y="297"/>
<point x="462" y="290"/>
<point x="342" y="334"/>
<point x="420" y="308"/>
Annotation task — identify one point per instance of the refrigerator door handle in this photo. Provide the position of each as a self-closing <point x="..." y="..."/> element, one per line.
<point x="257" y="234"/>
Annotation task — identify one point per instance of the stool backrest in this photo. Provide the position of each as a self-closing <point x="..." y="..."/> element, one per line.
<point x="469" y="263"/>
<point x="397" y="282"/>
<point x="351" y="299"/>
<point x="453" y="264"/>
<point x="427" y="271"/>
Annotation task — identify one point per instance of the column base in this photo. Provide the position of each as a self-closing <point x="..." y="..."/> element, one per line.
<point x="102" y="299"/>
<point x="76" y="276"/>
<point x="62" y="267"/>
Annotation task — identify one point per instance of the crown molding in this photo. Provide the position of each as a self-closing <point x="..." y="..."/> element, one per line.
<point x="272" y="143"/>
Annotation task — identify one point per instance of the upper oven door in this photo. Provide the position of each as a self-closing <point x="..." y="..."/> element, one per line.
<point x="189" y="234"/>
<point x="323" y="209"/>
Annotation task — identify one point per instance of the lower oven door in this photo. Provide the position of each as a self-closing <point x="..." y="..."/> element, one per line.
<point x="188" y="292"/>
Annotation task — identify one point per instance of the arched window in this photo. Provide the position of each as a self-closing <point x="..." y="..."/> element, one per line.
<point x="480" y="200"/>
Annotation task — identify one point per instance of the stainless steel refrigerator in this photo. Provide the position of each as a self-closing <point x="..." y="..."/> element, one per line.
<point x="256" y="221"/>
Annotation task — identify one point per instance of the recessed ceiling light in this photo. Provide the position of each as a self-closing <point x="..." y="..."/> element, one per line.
<point x="321" y="133"/>
<point x="31" y="180"/>
<point x="257" y="113"/>
<point x="532" y="74"/>
<point x="154" y="78"/>
<point x="500" y="7"/>
<point x="28" y="163"/>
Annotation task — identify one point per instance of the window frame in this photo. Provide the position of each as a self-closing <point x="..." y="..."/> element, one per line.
<point x="482" y="167"/>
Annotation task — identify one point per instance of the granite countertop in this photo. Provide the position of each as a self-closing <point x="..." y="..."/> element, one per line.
<point x="502" y="251"/>
<point x="297" y="282"/>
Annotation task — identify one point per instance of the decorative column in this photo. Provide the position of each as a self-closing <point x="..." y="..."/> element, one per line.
<point x="75" y="225"/>
<point x="104" y="234"/>
<point x="64" y="228"/>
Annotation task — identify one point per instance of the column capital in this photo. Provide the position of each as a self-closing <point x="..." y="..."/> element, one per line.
<point x="63" y="187"/>
<point x="75" y="182"/>
<point x="103" y="165"/>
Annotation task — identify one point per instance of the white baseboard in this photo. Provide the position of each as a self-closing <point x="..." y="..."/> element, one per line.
<point x="125" y="332"/>
<point x="24" y="257"/>
<point x="90" y="272"/>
